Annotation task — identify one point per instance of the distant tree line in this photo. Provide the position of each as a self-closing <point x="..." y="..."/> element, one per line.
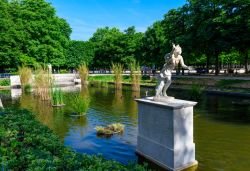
<point x="210" y="32"/>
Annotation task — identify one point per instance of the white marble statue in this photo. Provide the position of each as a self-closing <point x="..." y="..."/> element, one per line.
<point x="172" y="60"/>
<point x="1" y="104"/>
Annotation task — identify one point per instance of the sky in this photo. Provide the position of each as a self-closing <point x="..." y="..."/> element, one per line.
<point x="85" y="16"/>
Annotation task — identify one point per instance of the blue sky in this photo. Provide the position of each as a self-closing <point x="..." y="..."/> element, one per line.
<point x="85" y="16"/>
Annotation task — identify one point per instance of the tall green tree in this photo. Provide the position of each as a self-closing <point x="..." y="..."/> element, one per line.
<point x="36" y="33"/>
<point x="79" y="52"/>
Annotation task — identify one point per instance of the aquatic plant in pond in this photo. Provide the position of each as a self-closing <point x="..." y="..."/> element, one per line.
<point x="25" y="74"/>
<point x="84" y="73"/>
<point x="57" y="97"/>
<point x="110" y="129"/>
<point x="42" y="83"/>
<point x="135" y="74"/>
<point x="117" y="69"/>
<point x="27" y="88"/>
<point x="78" y="105"/>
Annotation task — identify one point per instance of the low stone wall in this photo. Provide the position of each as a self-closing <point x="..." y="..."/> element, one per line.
<point x="60" y="79"/>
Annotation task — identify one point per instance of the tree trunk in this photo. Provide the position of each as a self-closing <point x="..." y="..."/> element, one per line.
<point x="207" y="64"/>
<point x="216" y="64"/>
<point x="246" y="61"/>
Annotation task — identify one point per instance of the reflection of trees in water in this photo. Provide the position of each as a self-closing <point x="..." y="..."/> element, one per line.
<point x="224" y="109"/>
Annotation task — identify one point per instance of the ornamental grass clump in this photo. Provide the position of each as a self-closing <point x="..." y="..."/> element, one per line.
<point x="84" y="73"/>
<point x="42" y="84"/>
<point x="78" y="105"/>
<point x="117" y="69"/>
<point x="57" y="99"/>
<point x="25" y="74"/>
<point x="135" y="74"/>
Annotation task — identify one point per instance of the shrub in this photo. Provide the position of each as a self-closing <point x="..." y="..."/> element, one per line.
<point x="5" y="82"/>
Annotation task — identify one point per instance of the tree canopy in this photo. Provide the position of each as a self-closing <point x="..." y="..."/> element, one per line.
<point x="211" y="33"/>
<point x="30" y="33"/>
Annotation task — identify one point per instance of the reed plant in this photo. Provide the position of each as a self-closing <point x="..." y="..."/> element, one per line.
<point x="25" y="74"/>
<point x="42" y="83"/>
<point x="117" y="69"/>
<point x="84" y="73"/>
<point x="57" y="97"/>
<point x="78" y="105"/>
<point x="195" y="93"/>
<point x="135" y="74"/>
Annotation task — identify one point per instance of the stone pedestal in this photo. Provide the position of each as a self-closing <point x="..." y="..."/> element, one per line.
<point x="165" y="134"/>
<point x="1" y="104"/>
<point x="15" y="81"/>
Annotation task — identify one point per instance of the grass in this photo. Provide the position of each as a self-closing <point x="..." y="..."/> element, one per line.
<point x="107" y="78"/>
<point x="84" y="73"/>
<point x="57" y="97"/>
<point x="5" y="82"/>
<point x="25" y="74"/>
<point x="78" y="105"/>
<point x="42" y="84"/>
<point x="135" y="74"/>
<point x="118" y="70"/>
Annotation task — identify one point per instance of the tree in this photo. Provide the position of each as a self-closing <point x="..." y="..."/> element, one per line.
<point x="79" y="52"/>
<point x="34" y="34"/>
<point x="153" y="47"/>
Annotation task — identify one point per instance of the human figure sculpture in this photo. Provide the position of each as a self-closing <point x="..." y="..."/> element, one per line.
<point x="172" y="60"/>
<point x="1" y="104"/>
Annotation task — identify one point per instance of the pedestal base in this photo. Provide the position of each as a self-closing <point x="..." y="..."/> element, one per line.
<point x="165" y="134"/>
<point x="190" y="166"/>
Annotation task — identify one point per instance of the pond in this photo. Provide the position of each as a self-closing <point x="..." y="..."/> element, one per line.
<point x="221" y="125"/>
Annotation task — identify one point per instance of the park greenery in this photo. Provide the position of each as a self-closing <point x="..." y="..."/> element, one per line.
<point x="212" y="33"/>
<point x="27" y="144"/>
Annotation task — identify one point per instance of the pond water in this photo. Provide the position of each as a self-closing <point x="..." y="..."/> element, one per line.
<point x="221" y="127"/>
